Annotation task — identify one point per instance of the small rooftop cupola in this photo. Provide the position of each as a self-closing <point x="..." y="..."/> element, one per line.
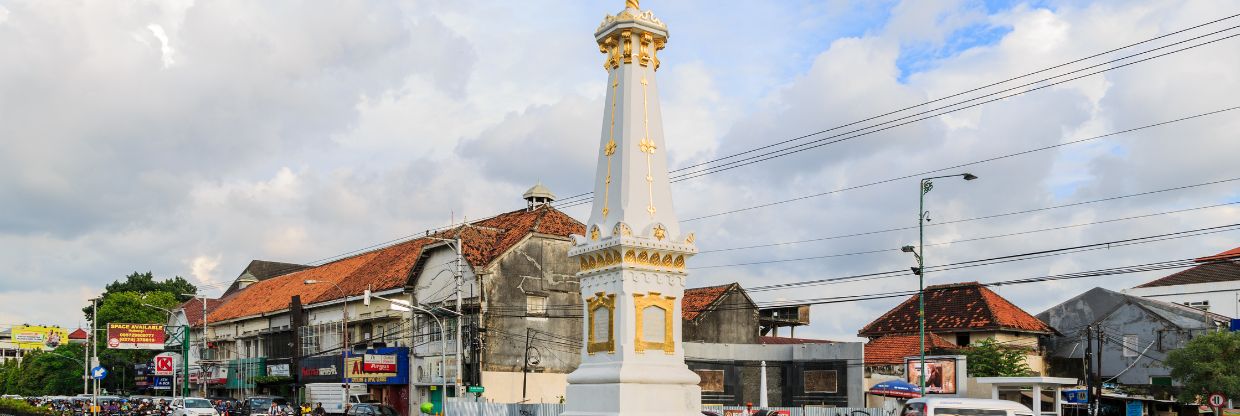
<point x="537" y="196"/>
<point x="246" y="280"/>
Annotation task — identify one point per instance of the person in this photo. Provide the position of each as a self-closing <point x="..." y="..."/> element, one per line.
<point x="305" y="409"/>
<point x="318" y="410"/>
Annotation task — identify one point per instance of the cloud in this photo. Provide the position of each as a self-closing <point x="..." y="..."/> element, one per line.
<point x="188" y="138"/>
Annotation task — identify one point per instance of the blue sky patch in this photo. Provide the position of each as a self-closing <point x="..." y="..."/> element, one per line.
<point x="916" y="58"/>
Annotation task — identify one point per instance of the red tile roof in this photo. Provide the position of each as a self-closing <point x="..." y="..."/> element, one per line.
<point x="956" y="307"/>
<point x="1211" y="272"/>
<point x="784" y="340"/>
<point x="78" y="334"/>
<point x="699" y="299"/>
<point x="1229" y="254"/>
<point x="389" y="267"/>
<point x="891" y="349"/>
<point x="193" y="309"/>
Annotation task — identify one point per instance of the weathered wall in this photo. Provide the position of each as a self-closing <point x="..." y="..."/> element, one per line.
<point x="539" y="267"/>
<point x="792" y="361"/>
<point x="505" y="387"/>
<point x="733" y="321"/>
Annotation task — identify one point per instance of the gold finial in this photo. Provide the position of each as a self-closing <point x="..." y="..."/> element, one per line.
<point x="631" y="4"/>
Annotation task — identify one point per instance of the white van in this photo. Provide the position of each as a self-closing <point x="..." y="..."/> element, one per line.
<point x="949" y="406"/>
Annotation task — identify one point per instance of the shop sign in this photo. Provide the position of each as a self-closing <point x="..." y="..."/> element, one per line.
<point x="163" y="383"/>
<point x="356" y="371"/>
<point x="321" y="369"/>
<point x="940" y="374"/>
<point x="277" y="370"/>
<point x="136" y="336"/>
<point x="379" y="363"/>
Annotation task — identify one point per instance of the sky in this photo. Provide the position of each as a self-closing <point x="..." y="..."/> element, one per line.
<point x="187" y="138"/>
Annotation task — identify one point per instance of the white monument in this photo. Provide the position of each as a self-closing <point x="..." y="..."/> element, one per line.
<point x="633" y="256"/>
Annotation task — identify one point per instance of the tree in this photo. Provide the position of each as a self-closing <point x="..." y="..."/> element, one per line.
<point x="1207" y="364"/>
<point x="989" y="359"/>
<point x="145" y="283"/>
<point x="56" y="372"/>
<point x="130" y="307"/>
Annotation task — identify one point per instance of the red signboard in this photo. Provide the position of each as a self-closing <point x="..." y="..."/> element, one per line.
<point x="164" y="365"/>
<point x="136" y="336"/>
<point x="379" y="363"/>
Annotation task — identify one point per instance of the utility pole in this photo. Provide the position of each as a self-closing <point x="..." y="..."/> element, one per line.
<point x="94" y="358"/>
<point x="525" y="367"/>
<point x="1098" y="370"/>
<point x="1089" y="370"/>
<point x="460" y="311"/>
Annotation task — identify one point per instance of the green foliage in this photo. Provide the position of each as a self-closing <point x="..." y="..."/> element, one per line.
<point x="146" y="283"/>
<point x="1207" y="364"/>
<point x="989" y="359"/>
<point x="18" y="407"/>
<point x="56" y="372"/>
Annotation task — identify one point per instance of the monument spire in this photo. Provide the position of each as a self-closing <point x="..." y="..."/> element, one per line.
<point x="633" y="255"/>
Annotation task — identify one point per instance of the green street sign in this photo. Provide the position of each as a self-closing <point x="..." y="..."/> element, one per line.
<point x="475" y="389"/>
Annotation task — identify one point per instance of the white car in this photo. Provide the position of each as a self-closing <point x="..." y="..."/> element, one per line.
<point x="950" y="406"/>
<point x="193" y="406"/>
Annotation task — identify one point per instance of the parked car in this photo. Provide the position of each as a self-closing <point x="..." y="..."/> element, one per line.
<point x="945" y="406"/>
<point x="260" y="405"/>
<point x="372" y="409"/>
<point x="193" y="406"/>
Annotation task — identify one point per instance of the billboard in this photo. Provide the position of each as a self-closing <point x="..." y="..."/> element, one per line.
<point x="940" y="374"/>
<point x="136" y="336"/>
<point x="379" y="363"/>
<point x="357" y="367"/>
<point x="31" y="337"/>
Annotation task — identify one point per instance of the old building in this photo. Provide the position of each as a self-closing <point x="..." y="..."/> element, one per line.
<point x="510" y="279"/>
<point x="1212" y="285"/>
<point x="957" y="315"/>
<point x="1135" y="334"/>
<point x="719" y="314"/>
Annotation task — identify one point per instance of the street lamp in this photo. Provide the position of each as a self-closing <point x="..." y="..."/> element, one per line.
<point x="408" y="306"/>
<point x="922" y="217"/>
<point x="344" y="338"/>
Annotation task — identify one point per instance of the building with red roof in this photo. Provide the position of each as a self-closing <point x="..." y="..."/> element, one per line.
<point x="957" y="315"/>
<point x="1212" y="284"/>
<point x="719" y="314"/>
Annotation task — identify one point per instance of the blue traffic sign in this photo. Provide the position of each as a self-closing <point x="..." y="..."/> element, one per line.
<point x="98" y="373"/>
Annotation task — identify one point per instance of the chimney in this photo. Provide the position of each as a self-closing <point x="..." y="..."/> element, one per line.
<point x="537" y="196"/>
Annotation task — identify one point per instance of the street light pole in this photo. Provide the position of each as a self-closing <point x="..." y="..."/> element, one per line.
<point x="924" y="188"/>
<point x="202" y="348"/>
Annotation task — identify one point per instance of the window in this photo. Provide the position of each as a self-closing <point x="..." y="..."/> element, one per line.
<point x="962" y="339"/>
<point x="1130" y="346"/>
<point x="1203" y="305"/>
<point x="535" y="305"/>
<point x="821" y="381"/>
<point x="382" y="334"/>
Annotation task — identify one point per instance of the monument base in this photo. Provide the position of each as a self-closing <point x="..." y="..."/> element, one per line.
<point x="605" y="389"/>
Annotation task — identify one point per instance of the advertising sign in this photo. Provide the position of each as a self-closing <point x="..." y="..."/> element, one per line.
<point x="166" y="363"/>
<point x="136" y="336"/>
<point x="321" y="369"/>
<point x="163" y="383"/>
<point x="1134" y="408"/>
<point x="277" y="370"/>
<point x="29" y="337"/>
<point x="379" y="363"/>
<point x="940" y="374"/>
<point x="355" y="368"/>
<point x="1080" y="396"/>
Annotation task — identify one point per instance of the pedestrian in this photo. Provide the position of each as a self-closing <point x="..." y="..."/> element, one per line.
<point x="318" y="410"/>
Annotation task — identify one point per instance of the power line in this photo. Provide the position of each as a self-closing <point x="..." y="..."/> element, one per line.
<point x="958" y="166"/>
<point x="820" y="142"/>
<point x="989" y="237"/>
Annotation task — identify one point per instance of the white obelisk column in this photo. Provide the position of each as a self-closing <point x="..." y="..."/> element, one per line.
<point x="633" y="256"/>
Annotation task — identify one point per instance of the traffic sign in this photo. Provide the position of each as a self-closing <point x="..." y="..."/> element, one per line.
<point x="1217" y="400"/>
<point x="475" y="389"/>
<point x="98" y="373"/>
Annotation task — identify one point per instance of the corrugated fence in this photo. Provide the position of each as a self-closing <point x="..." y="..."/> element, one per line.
<point x="465" y="408"/>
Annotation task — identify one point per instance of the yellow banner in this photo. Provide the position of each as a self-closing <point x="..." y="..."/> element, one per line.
<point x="39" y="337"/>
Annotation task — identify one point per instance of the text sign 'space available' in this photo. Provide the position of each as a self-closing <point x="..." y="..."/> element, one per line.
<point x="136" y="336"/>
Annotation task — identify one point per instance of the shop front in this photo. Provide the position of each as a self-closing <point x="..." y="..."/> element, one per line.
<point x="242" y="375"/>
<point x="385" y="371"/>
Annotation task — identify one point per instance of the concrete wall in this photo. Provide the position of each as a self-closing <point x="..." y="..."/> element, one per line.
<point x="1127" y="319"/>
<point x="537" y="267"/>
<point x="845" y="357"/>
<point x="505" y="387"/>
<point x="733" y="321"/>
